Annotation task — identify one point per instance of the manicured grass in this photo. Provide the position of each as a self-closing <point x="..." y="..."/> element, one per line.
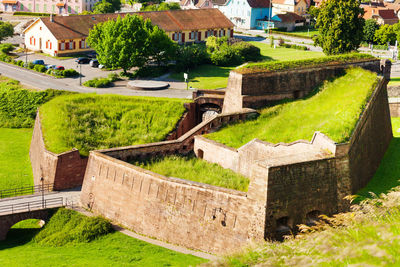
<point x="284" y="54"/>
<point x="388" y="174"/>
<point x="367" y="236"/>
<point x="15" y="166"/>
<point x="113" y="249"/>
<point x="206" y="77"/>
<point x="195" y="169"/>
<point x="214" y="77"/>
<point x="334" y="111"/>
<point x="88" y="122"/>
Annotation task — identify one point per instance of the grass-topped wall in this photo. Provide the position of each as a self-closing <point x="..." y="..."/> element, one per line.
<point x="333" y="110"/>
<point x="304" y="63"/>
<point x="88" y="122"/>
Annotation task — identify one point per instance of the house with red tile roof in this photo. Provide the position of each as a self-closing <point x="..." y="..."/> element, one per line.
<point x="296" y="6"/>
<point x="47" y="6"/>
<point x="380" y="13"/>
<point x="195" y="4"/>
<point x="63" y="35"/>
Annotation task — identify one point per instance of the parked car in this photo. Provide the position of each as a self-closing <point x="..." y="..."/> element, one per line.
<point x="92" y="54"/>
<point x="101" y="66"/>
<point x="38" y="62"/>
<point x="82" y="60"/>
<point x="50" y="67"/>
<point x="60" y="68"/>
<point x="94" y="63"/>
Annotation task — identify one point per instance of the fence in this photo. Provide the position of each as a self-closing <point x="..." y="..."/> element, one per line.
<point x="26" y="190"/>
<point x="32" y="205"/>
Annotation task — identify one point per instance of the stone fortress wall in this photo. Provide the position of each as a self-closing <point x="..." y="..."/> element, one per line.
<point x="289" y="183"/>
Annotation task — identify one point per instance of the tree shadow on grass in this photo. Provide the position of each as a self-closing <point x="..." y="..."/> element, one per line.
<point x="387" y="176"/>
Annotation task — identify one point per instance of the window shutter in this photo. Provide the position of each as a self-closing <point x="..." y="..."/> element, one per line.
<point x="34" y="41"/>
<point x="74" y="44"/>
<point x="215" y="33"/>
<point x="199" y="36"/>
<point x="47" y="43"/>
<point x="59" y="46"/>
<point x="50" y="45"/>
<point x="183" y="37"/>
<point x="231" y="30"/>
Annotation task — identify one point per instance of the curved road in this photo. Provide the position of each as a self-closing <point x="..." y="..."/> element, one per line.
<point x="42" y="82"/>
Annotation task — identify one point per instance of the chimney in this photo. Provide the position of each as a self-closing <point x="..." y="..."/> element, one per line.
<point x="51" y="17"/>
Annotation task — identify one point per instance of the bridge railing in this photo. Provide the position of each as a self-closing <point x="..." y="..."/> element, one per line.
<point x="32" y="205"/>
<point x="26" y="190"/>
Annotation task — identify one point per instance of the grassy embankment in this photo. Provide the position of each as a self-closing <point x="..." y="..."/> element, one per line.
<point x="366" y="237"/>
<point x="88" y="122"/>
<point x="17" y="114"/>
<point x="195" y="169"/>
<point x="213" y="77"/>
<point x="299" y="119"/>
<point x="70" y="239"/>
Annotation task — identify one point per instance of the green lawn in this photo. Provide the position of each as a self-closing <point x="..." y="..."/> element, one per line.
<point x="388" y="174"/>
<point x="15" y="166"/>
<point x="194" y="169"/>
<point x="394" y="81"/>
<point x="214" y="77"/>
<point x="113" y="249"/>
<point x="88" y="121"/>
<point x="334" y="111"/>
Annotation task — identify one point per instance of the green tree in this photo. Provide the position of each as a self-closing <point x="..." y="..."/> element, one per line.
<point x="369" y="30"/>
<point x="340" y="26"/>
<point x="161" y="7"/>
<point x="385" y="34"/>
<point x="6" y="30"/>
<point x="121" y="43"/>
<point x="103" y="7"/>
<point x="313" y="11"/>
<point x="162" y="48"/>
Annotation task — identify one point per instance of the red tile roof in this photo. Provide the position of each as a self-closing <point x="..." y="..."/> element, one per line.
<point x="73" y="27"/>
<point x="387" y="14"/>
<point x="259" y="3"/>
<point x="290" y="17"/>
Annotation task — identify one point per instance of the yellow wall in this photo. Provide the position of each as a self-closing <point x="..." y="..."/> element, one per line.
<point x="203" y="34"/>
<point x="77" y="49"/>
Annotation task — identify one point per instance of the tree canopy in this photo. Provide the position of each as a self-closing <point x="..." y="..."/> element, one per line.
<point x="6" y="30"/>
<point x="161" y="7"/>
<point x="369" y="30"/>
<point x="340" y="25"/>
<point x="129" y="42"/>
<point x="107" y="6"/>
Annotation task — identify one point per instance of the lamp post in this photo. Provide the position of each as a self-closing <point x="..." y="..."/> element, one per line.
<point x="42" y="181"/>
<point x="80" y="73"/>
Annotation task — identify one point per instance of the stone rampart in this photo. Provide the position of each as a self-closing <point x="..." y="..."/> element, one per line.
<point x="65" y="170"/>
<point x="394" y="107"/>
<point x="255" y="90"/>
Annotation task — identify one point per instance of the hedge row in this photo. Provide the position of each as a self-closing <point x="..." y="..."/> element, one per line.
<point x="297" y="64"/>
<point x="293" y="46"/>
<point x="39" y="68"/>
<point x="22" y="13"/>
<point x="291" y="34"/>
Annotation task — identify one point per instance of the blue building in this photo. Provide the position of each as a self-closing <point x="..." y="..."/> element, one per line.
<point x="246" y="14"/>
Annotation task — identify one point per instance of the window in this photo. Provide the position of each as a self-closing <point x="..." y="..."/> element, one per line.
<point x="69" y="9"/>
<point x="22" y="7"/>
<point x="193" y="35"/>
<point x="62" y="46"/>
<point x="82" y="44"/>
<point x="44" y="10"/>
<point x="30" y="6"/>
<point x="176" y="36"/>
<point x="37" y="8"/>
<point x="53" y="8"/>
<point x="76" y="9"/>
<point x="71" y="45"/>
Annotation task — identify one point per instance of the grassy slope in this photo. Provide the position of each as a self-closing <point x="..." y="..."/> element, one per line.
<point x="213" y="77"/>
<point x="194" y="169"/>
<point x="89" y="122"/>
<point x="300" y="119"/>
<point x="15" y="167"/>
<point x="114" y="249"/>
<point x="388" y="174"/>
<point x="394" y="81"/>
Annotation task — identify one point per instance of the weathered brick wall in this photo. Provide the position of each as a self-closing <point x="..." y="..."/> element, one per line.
<point x="255" y="90"/>
<point x="189" y="120"/>
<point x="370" y="139"/>
<point x="394" y="108"/>
<point x="190" y="214"/>
<point x="65" y="170"/>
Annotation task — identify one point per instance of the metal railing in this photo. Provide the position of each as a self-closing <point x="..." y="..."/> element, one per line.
<point x="32" y="205"/>
<point x="26" y="190"/>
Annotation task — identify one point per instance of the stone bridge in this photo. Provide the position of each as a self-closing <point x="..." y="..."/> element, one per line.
<point x="209" y="102"/>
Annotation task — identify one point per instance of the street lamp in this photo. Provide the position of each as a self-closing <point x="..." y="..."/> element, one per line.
<point x="42" y="181"/>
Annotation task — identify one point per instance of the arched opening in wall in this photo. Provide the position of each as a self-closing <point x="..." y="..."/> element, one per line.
<point x="23" y="231"/>
<point x="209" y="110"/>
<point x="313" y="217"/>
<point x="200" y="153"/>
<point x="296" y="94"/>
<point x="282" y="228"/>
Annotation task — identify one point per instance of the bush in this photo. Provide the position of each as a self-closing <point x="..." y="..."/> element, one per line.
<point x="293" y="46"/>
<point x="70" y="73"/>
<point x="98" y="83"/>
<point x="20" y="63"/>
<point x="113" y="77"/>
<point x="226" y="56"/>
<point x="189" y="57"/>
<point x="247" y="51"/>
<point x="6" y="48"/>
<point x="39" y="68"/>
<point x="30" y="65"/>
<point x="22" y="13"/>
<point x="151" y="71"/>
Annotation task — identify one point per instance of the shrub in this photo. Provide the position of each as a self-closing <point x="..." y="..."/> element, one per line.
<point x="189" y="57"/>
<point x="20" y="63"/>
<point x="113" y="77"/>
<point x="69" y="73"/>
<point x="39" y="68"/>
<point x="6" y="48"/>
<point x="151" y="71"/>
<point x="49" y="71"/>
<point x="24" y="13"/>
<point x="30" y="65"/>
<point x="8" y="59"/>
<point x="247" y="51"/>
<point x="98" y="83"/>
<point x="293" y="46"/>
<point x="226" y="56"/>
<point x="57" y="73"/>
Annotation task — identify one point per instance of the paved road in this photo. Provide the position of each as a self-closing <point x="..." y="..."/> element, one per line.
<point x="42" y="82"/>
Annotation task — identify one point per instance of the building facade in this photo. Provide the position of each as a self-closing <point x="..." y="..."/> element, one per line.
<point x="296" y="6"/>
<point x="48" y="6"/>
<point x="63" y="35"/>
